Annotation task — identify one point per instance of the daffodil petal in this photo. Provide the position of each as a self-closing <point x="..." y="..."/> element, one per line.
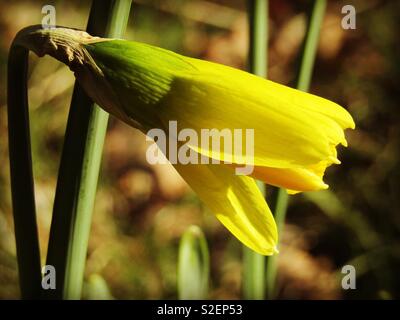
<point x="287" y="133"/>
<point x="296" y="98"/>
<point x="294" y="180"/>
<point x="237" y="203"/>
<point x="299" y="179"/>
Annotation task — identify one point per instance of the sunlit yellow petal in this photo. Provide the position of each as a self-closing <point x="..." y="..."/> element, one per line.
<point x="236" y="201"/>
<point x="299" y="179"/>
<point x="294" y="97"/>
<point x="287" y="132"/>
<point x="294" y="180"/>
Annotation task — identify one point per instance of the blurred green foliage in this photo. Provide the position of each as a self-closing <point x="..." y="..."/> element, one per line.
<point x="142" y="211"/>
<point x="193" y="270"/>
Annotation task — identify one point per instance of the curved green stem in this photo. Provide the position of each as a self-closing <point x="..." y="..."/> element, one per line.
<point x="22" y="187"/>
<point x="79" y="167"/>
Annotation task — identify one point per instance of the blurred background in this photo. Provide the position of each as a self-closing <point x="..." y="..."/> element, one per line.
<point x="141" y="211"/>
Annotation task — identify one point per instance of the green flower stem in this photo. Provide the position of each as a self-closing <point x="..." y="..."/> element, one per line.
<point x="23" y="197"/>
<point x="310" y="45"/>
<point x="258" y="27"/>
<point x="280" y="204"/>
<point x="303" y="83"/>
<point x="254" y="263"/>
<point x="79" y="167"/>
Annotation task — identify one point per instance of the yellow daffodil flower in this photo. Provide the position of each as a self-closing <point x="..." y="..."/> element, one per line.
<point x="295" y="133"/>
